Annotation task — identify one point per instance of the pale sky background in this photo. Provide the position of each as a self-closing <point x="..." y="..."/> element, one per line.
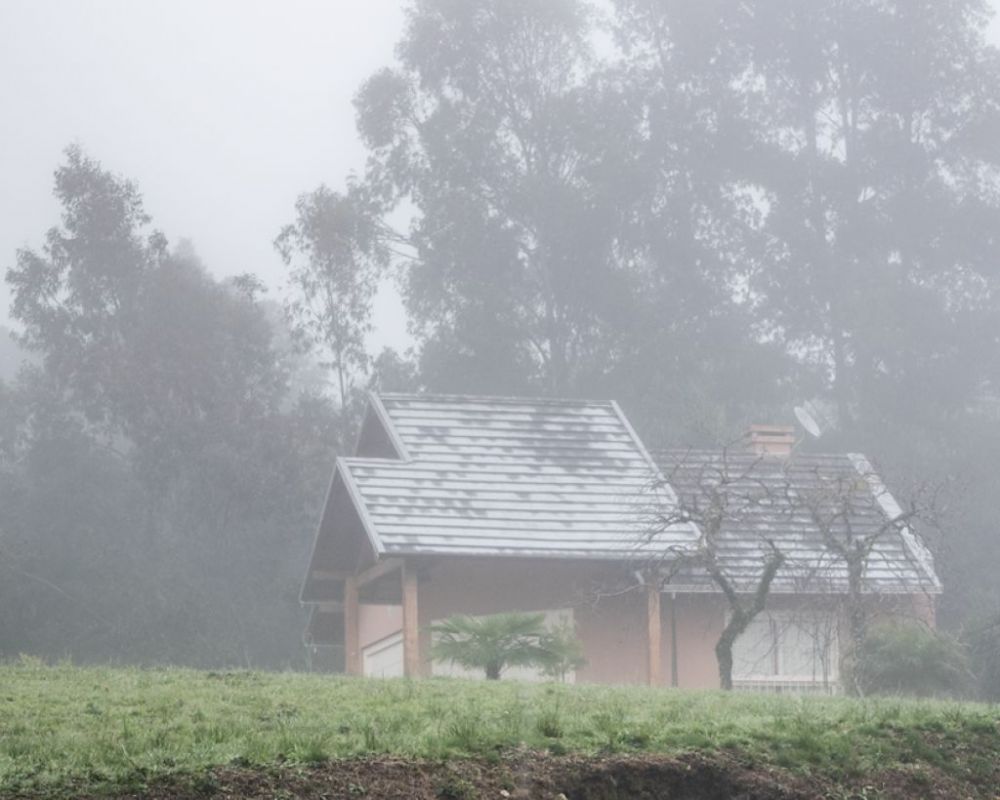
<point x="223" y="111"/>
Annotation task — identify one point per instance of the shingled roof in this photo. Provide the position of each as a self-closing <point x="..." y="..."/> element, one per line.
<point x="779" y="499"/>
<point x="450" y="475"/>
<point x="515" y="477"/>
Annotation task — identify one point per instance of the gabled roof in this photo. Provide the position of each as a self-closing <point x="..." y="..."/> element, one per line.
<point x="772" y="498"/>
<point x="507" y="476"/>
<point x="459" y="475"/>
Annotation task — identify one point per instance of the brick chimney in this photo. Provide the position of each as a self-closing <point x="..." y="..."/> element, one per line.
<point x="770" y="440"/>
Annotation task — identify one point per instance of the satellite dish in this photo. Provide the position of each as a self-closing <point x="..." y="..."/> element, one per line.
<point x="807" y="421"/>
<point x="816" y="416"/>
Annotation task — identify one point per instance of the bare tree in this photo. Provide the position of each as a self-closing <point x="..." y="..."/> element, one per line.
<point x="845" y="526"/>
<point x="721" y="492"/>
<point x="855" y="515"/>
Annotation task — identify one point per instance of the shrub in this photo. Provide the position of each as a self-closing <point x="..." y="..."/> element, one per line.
<point x="984" y="646"/>
<point x="912" y="659"/>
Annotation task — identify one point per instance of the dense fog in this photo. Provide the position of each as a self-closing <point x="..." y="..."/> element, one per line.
<point x="711" y="212"/>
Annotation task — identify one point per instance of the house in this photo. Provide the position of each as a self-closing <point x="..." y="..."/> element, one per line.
<point x="476" y="505"/>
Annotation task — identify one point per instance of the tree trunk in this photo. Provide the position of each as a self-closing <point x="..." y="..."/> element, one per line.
<point x="724" y="655"/>
<point x="857" y="621"/>
<point x="492" y="672"/>
<point x="741" y="615"/>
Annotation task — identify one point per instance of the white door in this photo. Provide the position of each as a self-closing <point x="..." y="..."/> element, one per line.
<point x="384" y="658"/>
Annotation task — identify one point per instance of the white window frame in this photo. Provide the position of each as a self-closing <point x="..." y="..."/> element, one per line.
<point x="780" y="621"/>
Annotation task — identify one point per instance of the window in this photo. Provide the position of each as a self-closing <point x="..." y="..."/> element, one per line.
<point x="787" y="651"/>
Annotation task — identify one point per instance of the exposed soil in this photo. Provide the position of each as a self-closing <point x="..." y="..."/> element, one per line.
<point x="519" y="776"/>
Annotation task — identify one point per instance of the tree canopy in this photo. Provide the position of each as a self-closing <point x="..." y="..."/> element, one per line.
<point x="710" y="212"/>
<point x="160" y="475"/>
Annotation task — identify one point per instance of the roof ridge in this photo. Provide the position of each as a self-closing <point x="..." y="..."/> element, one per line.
<point x="479" y="398"/>
<point x="736" y="451"/>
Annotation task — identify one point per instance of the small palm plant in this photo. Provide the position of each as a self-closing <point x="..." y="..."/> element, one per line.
<point x="497" y="642"/>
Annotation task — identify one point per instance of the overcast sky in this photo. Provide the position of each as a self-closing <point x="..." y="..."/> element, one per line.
<point x="222" y="110"/>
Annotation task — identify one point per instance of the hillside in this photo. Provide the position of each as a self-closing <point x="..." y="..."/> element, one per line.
<point x="179" y="733"/>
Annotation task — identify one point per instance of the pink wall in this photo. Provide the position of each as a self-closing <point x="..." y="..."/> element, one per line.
<point x="700" y="619"/>
<point x="611" y="626"/>
<point x="613" y="635"/>
<point x="377" y="622"/>
<point x="488" y="586"/>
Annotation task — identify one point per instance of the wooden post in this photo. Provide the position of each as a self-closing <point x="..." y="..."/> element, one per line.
<point x="411" y="629"/>
<point x="352" y="643"/>
<point x="653" y="631"/>
<point x="673" y="638"/>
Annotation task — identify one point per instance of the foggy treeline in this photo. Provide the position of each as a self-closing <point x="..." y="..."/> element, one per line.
<point x="709" y="211"/>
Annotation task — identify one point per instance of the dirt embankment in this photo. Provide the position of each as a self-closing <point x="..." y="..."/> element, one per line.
<point x="543" y="777"/>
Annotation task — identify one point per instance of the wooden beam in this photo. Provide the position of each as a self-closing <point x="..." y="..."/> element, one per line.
<point x="653" y="632"/>
<point x="323" y="592"/>
<point x="673" y="638"/>
<point x="328" y="574"/>
<point x="378" y="570"/>
<point x="352" y="639"/>
<point x="412" y="661"/>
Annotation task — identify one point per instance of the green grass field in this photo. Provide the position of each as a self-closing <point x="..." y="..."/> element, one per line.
<point x="104" y="729"/>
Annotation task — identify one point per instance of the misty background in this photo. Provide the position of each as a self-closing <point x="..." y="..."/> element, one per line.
<point x="223" y="112"/>
<point x="709" y="212"/>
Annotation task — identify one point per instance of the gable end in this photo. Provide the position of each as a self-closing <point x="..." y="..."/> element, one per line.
<point x="377" y="437"/>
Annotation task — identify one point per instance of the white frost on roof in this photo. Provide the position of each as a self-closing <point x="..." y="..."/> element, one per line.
<point x="771" y="499"/>
<point x="918" y="550"/>
<point x="510" y="476"/>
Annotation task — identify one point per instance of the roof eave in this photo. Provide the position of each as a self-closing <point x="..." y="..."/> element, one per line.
<point x="319" y="530"/>
<point x="891" y="508"/>
<point x="341" y="468"/>
<point x="358" y="500"/>
<point x="624" y="557"/>
<point x="893" y="591"/>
